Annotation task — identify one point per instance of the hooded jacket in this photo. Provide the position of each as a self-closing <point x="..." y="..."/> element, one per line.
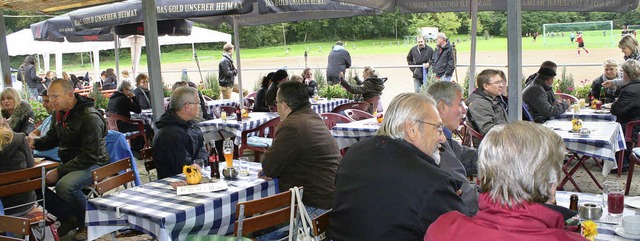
<point x="28" y="74"/>
<point x="15" y="156"/>
<point x="22" y="120"/>
<point x="486" y="112"/>
<point x="176" y="143"/>
<point x="339" y="61"/>
<point x="80" y="134"/>
<point x="371" y="87"/>
<point x="418" y="56"/>
<point x="541" y="101"/>
<point x="443" y="61"/>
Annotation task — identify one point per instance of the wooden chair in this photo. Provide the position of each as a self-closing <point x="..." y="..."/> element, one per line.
<point x="363" y="106"/>
<point x="147" y="157"/>
<point x="569" y="97"/>
<point x="26" y="180"/>
<point x="15" y="225"/>
<point x="474" y="137"/>
<point x="112" y="175"/>
<point x="262" y="213"/>
<point x="331" y="119"/>
<point x="265" y="130"/>
<point x="357" y="115"/>
<point x="112" y="124"/>
<point x="320" y="225"/>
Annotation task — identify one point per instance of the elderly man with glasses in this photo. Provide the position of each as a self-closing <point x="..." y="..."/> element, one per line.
<point x="179" y="140"/>
<point x="487" y="106"/>
<point x="390" y="187"/>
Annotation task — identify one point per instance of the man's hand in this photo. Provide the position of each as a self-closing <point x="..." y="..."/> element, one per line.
<point x="262" y="175"/>
<point x="607" y="84"/>
<point x="31" y="141"/>
<point x="341" y="75"/>
<point x="52" y="176"/>
<point x="426" y="65"/>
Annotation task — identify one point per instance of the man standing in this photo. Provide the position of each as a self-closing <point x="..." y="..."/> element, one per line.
<point x="454" y="157"/>
<point x="540" y="98"/>
<point x="27" y="74"/>
<point x="420" y="54"/>
<point x="339" y="61"/>
<point x="303" y="152"/>
<point x="487" y="107"/>
<point x="79" y="130"/>
<point x="443" y="62"/>
<point x="580" y="41"/>
<point x="389" y="187"/>
<point x="178" y="141"/>
<point x="42" y="130"/>
<point x="227" y="71"/>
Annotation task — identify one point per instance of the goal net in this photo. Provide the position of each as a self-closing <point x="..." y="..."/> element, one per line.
<point x="598" y="33"/>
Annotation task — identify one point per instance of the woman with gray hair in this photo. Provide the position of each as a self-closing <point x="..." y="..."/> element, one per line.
<point x="519" y="165"/>
<point x="371" y="87"/>
<point x="18" y="112"/>
<point x="627" y="106"/>
<point x="123" y="102"/>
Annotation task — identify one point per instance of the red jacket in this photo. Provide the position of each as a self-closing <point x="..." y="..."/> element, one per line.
<point x="494" y="222"/>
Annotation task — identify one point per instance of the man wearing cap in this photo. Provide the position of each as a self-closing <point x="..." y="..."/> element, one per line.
<point x="339" y="61"/>
<point x="420" y="54"/>
<point x="443" y="63"/>
<point x="278" y="76"/>
<point x="540" y="98"/>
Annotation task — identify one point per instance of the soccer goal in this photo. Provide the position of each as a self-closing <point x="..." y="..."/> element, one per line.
<point x="597" y="33"/>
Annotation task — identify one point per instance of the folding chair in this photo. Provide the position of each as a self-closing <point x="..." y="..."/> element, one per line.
<point x="569" y="171"/>
<point x="261" y="141"/>
<point x="263" y="213"/>
<point x="320" y="225"/>
<point x="16" y="225"/>
<point x="331" y="119"/>
<point x="357" y="115"/>
<point x="22" y="181"/>
<point x="147" y="158"/>
<point x="112" y="175"/>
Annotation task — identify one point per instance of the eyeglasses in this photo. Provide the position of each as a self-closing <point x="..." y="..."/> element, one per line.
<point x="439" y="127"/>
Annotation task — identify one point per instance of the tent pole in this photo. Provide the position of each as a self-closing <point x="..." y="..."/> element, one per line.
<point x="514" y="56"/>
<point x="117" y="55"/>
<point x="474" y="40"/>
<point x="153" y="57"/>
<point x="236" y="40"/>
<point x="4" y="54"/>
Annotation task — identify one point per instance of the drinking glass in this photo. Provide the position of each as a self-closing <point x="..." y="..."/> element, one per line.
<point x="200" y="163"/>
<point x="244" y="166"/>
<point x="227" y="149"/>
<point x="223" y="116"/>
<point x="615" y="199"/>
<point x="606" y="185"/>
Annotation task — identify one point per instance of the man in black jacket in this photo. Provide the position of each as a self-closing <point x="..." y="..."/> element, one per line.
<point x="390" y="187"/>
<point x="27" y="73"/>
<point x="123" y="102"/>
<point x="79" y="130"/>
<point x="419" y="55"/>
<point x="227" y="71"/>
<point x="179" y="140"/>
<point x="339" y="61"/>
<point x="540" y="98"/>
<point x="443" y="60"/>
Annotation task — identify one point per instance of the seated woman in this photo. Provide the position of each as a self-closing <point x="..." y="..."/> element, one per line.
<point x="611" y="73"/>
<point x="18" y="113"/>
<point x="371" y="87"/>
<point x="519" y="165"/>
<point x="123" y="102"/>
<point x="15" y="155"/>
<point x="142" y="91"/>
<point x="627" y="106"/>
<point x="260" y="105"/>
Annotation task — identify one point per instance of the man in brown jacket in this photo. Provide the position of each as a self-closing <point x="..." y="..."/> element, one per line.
<point x="303" y="152"/>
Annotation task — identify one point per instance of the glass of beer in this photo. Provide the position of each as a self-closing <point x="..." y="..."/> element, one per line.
<point x="227" y="149"/>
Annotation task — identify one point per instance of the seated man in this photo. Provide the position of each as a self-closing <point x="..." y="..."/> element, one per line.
<point x="178" y="141"/>
<point x="540" y="98"/>
<point x="455" y="158"/>
<point x="545" y="64"/>
<point x="270" y="96"/>
<point x="51" y="154"/>
<point x="520" y="164"/>
<point x="389" y="187"/>
<point x="303" y="153"/>
<point x="79" y="130"/>
<point x="123" y="102"/>
<point x="487" y="107"/>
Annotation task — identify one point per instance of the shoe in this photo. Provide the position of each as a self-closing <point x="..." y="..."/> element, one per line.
<point x="67" y="226"/>
<point x="81" y="234"/>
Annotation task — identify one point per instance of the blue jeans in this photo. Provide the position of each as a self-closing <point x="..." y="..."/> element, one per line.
<point x="417" y="85"/>
<point x="33" y="93"/>
<point x="284" y="231"/>
<point x="445" y="78"/>
<point x="69" y="201"/>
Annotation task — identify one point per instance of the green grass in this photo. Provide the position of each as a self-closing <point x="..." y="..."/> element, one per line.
<point x="593" y="40"/>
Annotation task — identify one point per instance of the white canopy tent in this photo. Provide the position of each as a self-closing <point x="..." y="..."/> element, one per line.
<point x="22" y="43"/>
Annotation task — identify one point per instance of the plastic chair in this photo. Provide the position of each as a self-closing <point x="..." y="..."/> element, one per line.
<point x="112" y="124"/>
<point x="266" y="130"/>
<point x="633" y="160"/>
<point x="474" y="137"/>
<point x="320" y="225"/>
<point x="569" y="97"/>
<point x="263" y="213"/>
<point x="628" y="138"/>
<point x="22" y="181"/>
<point x="331" y="119"/>
<point x="373" y="104"/>
<point x="15" y="225"/>
<point x="363" y="106"/>
<point x="357" y="115"/>
<point x="147" y="157"/>
<point x="107" y="177"/>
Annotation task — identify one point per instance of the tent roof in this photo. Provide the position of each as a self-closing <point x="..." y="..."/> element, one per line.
<point x="50" y="6"/>
<point x="198" y="35"/>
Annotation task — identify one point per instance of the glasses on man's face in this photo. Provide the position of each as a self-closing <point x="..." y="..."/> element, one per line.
<point x="439" y="127"/>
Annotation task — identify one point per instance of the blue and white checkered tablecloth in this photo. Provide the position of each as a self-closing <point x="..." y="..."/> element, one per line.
<point x="155" y="209"/>
<point x="324" y="106"/>
<point x="605" y="140"/>
<point x="217" y="103"/>
<point x="347" y="134"/>
<point x="605" y="230"/>
<point x="211" y="128"/>
<point x="587" y="114"/>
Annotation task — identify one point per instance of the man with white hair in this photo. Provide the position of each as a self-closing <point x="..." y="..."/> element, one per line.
<point x="390" y="187"/>
<point x="443" y="62"/>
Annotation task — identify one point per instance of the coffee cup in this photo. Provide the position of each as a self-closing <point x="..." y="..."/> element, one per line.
<point x="631" y="224"/>
<point x="585" y="131"/>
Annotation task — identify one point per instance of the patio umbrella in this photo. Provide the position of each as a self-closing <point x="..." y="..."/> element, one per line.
<point x="473" y="6"/>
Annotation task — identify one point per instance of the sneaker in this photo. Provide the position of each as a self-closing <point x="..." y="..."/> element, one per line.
<point x="66" y="226"/>
<point x="81" y="234"/>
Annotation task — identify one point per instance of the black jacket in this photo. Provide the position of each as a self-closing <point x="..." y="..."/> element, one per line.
<point x="80" y="134"/>
<point x="443" y="62"/>
<point x="226" y="71"/>
<point x="339" y="61"/>
<point x="627" y="107"/>
<point x="418" y="57"/>
<point x="15" y="156"/>
<point x="22" y="120"/>
<point x="371" y="87"/>
<point x="260" y="105"/>
<point x="110" y="83"/>
<point x="312" y="87"/>
<point x="596" y="86"/>
<point x="542" y="101"/>
<point x="387" y="189"/>
<point x="176" y="143"/>
<point x="271" y="94"/>
<point x="143" y="97"/>
<point x="122" y="105"/>
<point x="28" y="74"/>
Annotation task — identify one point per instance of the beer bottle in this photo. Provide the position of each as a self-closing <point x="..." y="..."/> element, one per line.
<point x="214" y="162"/>
<point x="602" y="94"/>
<point x="573" y="204"/>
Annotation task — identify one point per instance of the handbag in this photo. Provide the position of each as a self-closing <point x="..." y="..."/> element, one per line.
<point x="299" y="225"/>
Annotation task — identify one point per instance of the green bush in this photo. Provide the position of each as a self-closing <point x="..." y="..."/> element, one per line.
<point x="211" y="86"/>
<point x="565" y="83"/>
<point x="39" y="111"/>
<point x="583" y="92"/>
<point x="100" y="102"/>
<point x="320" y="79"/>
<point x="333" y="91"/>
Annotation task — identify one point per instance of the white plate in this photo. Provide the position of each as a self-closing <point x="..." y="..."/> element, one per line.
<point x="620" y="232"/>
<point x="632" y="202"/>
